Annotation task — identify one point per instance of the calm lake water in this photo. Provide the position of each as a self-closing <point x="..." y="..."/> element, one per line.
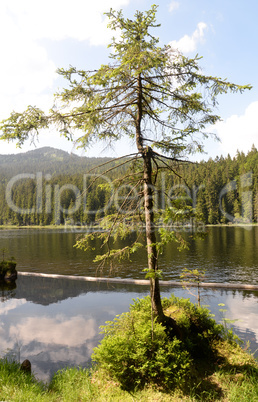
<point x="229" y="254"/>
<point x="55" y="322"/>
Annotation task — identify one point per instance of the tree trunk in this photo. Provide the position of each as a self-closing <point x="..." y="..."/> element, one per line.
<point x="170" y="324"/>
<point x="151" y="237"/>
<point x="146" y="153"/>
<point x="148" y="208"/>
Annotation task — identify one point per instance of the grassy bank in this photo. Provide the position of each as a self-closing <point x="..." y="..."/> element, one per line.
<point x="71" y="227"/>
<point x="34" y="227"/>
<point x="138" y="361"/>
<point x="236" y="379"/>
<point x="63" y="227"/>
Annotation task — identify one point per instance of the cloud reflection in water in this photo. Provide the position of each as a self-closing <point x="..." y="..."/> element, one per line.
<point x="63" y="333"/>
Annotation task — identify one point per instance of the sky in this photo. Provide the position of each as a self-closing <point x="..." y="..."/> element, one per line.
<point x="38" y="37"/>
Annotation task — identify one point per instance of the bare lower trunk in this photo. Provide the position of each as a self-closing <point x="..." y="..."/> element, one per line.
<point x="168" y="322"/>
<point x="151" y="237"/>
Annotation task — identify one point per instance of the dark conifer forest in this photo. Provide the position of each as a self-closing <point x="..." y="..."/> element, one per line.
<point x="51" y="187"/>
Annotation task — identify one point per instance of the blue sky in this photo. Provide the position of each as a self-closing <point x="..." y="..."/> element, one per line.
<point x="38" y="37"/>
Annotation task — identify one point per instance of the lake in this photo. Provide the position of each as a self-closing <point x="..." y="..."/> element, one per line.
<point x="55" y="322"/>
<point x="228" y="254"/>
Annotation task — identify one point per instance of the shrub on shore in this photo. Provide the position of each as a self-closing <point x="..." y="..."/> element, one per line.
<point x="136" y="351"/>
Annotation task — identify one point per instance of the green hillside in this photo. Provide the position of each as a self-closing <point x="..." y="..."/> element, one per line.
<point x="49" y="186"/>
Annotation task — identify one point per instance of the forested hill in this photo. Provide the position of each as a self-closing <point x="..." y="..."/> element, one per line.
<point x="48" y="161"/>
<point x="41" y="187"/>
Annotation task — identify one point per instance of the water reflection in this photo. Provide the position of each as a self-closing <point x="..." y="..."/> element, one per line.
<point x="60" y="331"/>
<point x="243" y="309"/>
<point x="55" y="322"/>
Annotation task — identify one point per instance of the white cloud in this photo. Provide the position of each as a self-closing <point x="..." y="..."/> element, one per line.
<point x="27" y="72"/>
<point x="239" y="132"/>
<point x="174" y="5"/>
<point x="245" y="314"/>
<point x="11" y="304"/>
<point x="58" y="330"/>
<point x="188" y="44"/>
<point x="25" y="69"/>
<point x="61" y="19"/>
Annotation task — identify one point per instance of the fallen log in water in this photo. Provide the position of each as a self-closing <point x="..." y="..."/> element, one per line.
<point x="215" y="285"/>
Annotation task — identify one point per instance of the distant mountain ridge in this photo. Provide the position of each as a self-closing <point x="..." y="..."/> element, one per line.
<point x="49" y="152"/>
<point x="47" y="160"/>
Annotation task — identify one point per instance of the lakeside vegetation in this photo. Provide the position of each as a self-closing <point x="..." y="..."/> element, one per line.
<point x="224" y="190"/>
<point x="207" y="364"/>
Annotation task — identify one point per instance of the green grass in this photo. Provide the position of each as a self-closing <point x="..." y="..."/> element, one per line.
<point x="33" y="227"/>
<point x="224" y="372"/>
<point x="16" y="385"/>
<point x="236" y="380"/>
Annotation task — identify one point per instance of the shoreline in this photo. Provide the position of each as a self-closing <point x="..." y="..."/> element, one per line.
<point x="77" y="227"/>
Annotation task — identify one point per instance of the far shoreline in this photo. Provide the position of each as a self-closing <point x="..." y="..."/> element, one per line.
<point x="78" y="227"/>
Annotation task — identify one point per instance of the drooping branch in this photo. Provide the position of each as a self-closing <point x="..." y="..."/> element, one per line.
<point x="106" y="171"/>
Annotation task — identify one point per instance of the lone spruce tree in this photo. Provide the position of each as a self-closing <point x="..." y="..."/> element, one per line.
<point x="155" y="96"/>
